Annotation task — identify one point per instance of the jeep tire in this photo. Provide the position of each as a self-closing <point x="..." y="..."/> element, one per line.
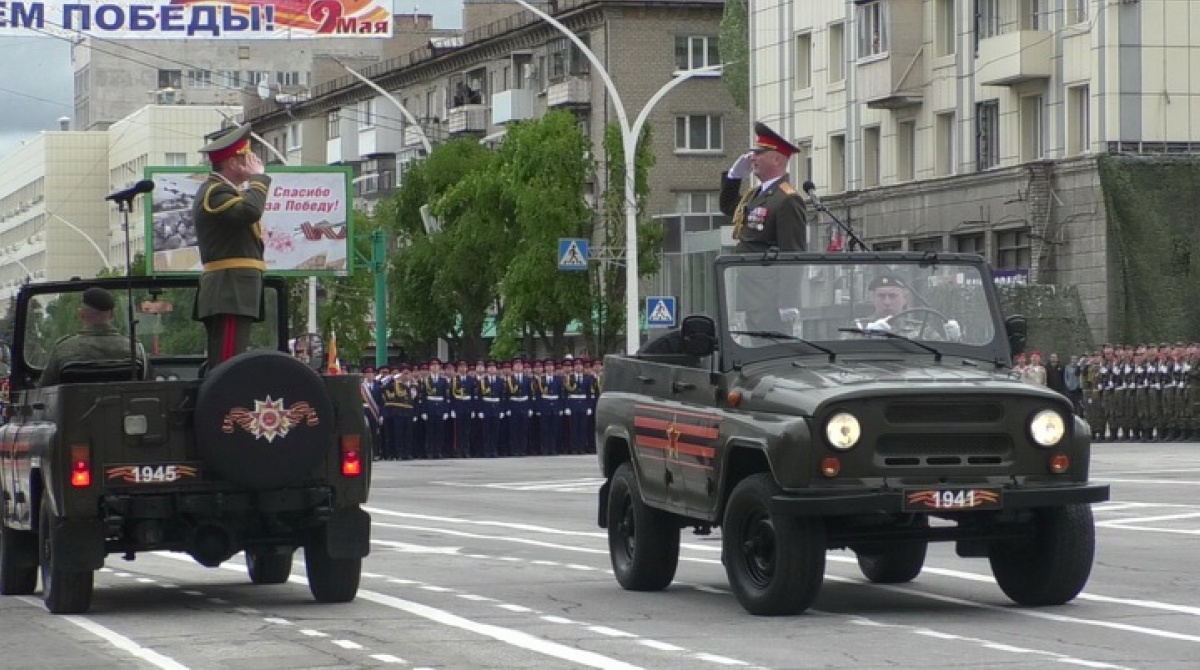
<point x="269" y="565"/>
<point x="775" y="563"/>
<point x="1052" y="565"/>
<point x="263" y="420"/>
<point x="63" y="592"/>
<point x="643" y="542"/>
<point x="18" y="562"/>
<point x="331" y="580"/>
<point x="894" y="562"/>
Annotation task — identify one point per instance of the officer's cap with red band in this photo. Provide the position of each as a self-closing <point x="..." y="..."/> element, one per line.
<point x="229" y="144"/>
<point x="766" y="139"/>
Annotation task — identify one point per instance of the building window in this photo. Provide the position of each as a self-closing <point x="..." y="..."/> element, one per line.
<point x="837" y="52"/>
<point x="695" y="52"/>
<point x="933" y="244"/>
<point x="254" y="77"/>
<point x="1031" y="14"/>
<point x="170" y="79"/>
<point x="199" y="78"/>
<point x="1012" y="250"/>
<point x="970" y="244"/>
<point x="890" y="245"/>
<point x="174" y="158"/>
<point x="368" y="178"/>
<point x="229" y="79"/>
<point x="697" y="202"/>
<point x="1033" y="127"/>
<point x="906" y="153"/>
<point x="802" y="78"/>
<point x="987" y="135"/>
<point x="943" y="144"/>
<point x="333" y="125"/>
<point x="837" y="163"/>
<point x="287" y="78"/>
<point x="558" y="59"/>
<point x="366" y="114"/>
<point x="1079" y="120"/>
<point x="1077" y="11"/>
<point x="945" y="39"/>
<point x="870" y="156"/>
<point x="804" y="159"/>
<point x="295" y="138"/>
<point x="987" y="19"/>
<point x="872" y="29"/>
<point x="698" y="132"/>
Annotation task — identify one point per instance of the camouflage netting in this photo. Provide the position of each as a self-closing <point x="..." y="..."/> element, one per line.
<point x="1055" y="317"/>
<point x="1153" y="210"/>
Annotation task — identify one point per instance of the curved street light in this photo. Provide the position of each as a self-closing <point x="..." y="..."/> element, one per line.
<point x="77" y="229"/>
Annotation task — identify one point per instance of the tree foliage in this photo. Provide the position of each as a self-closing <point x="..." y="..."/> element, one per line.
<point x="735" y="51"/>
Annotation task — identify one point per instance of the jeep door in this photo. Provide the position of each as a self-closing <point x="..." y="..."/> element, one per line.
<point x="694" y="435"/>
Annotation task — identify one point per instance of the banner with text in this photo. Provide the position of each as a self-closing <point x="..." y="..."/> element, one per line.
<point x="207" y="19"/>
<point x="307" y="226"/>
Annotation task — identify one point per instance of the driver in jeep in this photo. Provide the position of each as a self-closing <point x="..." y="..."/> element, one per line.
<point x="895" y="312"/>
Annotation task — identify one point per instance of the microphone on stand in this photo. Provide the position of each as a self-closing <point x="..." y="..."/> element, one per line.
<point x="143" y="186"/>
<point x="811" y="189"/>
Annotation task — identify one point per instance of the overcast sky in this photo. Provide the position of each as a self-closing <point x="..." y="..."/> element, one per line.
<point x="36" y="80"/>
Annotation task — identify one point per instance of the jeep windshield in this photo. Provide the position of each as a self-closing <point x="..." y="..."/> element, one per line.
<point x="871" y="303"/>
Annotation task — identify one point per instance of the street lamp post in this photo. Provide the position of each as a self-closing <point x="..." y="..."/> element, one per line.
<point x="99" y="251"/>
<point x="630" y="134"/>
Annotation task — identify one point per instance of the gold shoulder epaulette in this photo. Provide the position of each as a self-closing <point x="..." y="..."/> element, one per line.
<point x="787" y="188"/>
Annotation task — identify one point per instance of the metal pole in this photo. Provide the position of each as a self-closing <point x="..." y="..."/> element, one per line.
<point x="99" y="251"/>
<point x="378" y="263"/>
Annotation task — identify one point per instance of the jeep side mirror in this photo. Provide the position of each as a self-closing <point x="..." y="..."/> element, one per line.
<point x="1017" y="328"/>
<point x="699" y="334"/>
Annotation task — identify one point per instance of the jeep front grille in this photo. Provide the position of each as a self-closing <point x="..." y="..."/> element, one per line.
<point x="940" y="449"/>
<point x="901" y="412"/>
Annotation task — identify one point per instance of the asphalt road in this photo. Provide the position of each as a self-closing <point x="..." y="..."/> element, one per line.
<point x="499" y="564"/>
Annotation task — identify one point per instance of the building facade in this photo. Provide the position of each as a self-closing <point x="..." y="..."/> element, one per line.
<point x="975" y="126"/>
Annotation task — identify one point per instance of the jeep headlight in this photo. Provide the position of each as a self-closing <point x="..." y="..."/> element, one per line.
<point x="1047" y="428"/>
<point x="842" y="430"/>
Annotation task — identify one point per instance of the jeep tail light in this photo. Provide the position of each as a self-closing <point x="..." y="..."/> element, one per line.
<point x="734" y="398"/>
<point x="831" y="466"/>
<point x="351" y="456"/>
<point x="1059" y="463"/>
<point x="81" y="466"/>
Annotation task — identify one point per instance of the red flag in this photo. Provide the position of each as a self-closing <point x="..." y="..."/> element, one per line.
<point x="836" y="241"/>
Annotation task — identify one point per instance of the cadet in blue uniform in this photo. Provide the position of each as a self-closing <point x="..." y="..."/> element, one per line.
<point x="491" y="392"/>
<point x="550" y="404"/>
<point x="438" y="436"/>
<point x="520" y="404"/>
<point x="395" y="400"/>
<point x="578" y="385"/>
<point x="478" y="431"/>
<point x="462" y="411"/>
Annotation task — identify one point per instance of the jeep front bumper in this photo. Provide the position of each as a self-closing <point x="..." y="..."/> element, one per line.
<point x="841" y="503"/>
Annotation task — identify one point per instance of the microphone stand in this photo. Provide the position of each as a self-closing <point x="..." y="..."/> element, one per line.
<point x="854" y="240"/>
<point x="124" y="200"/>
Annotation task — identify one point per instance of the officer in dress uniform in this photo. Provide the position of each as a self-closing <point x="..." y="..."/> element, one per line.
<point x="770" y="215"/>
<point x="550" y="405"/>
<point x="438" y="435"/>
<point x="372" y="410"/>
<point x="597" y="374"/>
<point x="491" y="393"/>
<point x="463" y="412"/>
<point x="477" y="405"/>
<point x="534" y="369"/>
<point x="230" y="240"/>
<point x="520" y="408"/>
<point x="397" y="413"/>
<point x="579" y="398"/>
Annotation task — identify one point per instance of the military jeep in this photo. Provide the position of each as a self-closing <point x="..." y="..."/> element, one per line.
<point x="153" y="452"/>
<point x="831" y="427"/>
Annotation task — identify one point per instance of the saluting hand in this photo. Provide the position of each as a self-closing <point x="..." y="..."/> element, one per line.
<point x="254" y="164"/>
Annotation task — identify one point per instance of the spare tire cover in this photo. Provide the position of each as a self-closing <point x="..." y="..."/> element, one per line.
<point x="263" y="420"/>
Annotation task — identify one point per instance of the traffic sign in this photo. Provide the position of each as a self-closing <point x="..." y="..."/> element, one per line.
<point x="660" y="311"/>
<point x="573" y="254"/>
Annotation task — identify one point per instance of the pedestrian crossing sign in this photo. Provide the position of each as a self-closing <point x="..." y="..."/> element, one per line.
<point x="660" y="311"/>
<point x="573" y="254"/>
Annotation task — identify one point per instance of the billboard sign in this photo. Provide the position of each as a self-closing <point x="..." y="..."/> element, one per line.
<point x="307" y="226"/>
<point x="200" y="19"/>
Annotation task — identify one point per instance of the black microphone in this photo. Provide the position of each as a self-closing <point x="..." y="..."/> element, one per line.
<point x="143" y="186"/>
<point x="811" y="189"/>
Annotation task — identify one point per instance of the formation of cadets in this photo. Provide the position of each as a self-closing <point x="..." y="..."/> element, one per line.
<point x="515" y="408"/>
<point x="1143" y="393"/>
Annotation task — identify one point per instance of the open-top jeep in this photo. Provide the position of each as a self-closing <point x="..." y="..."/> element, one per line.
<point x="844" y="427"/>
<point x="260" y="454"/>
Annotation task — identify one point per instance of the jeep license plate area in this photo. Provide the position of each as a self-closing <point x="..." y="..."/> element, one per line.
<point x="952" y="499"/>
<point x="143" y="474"/>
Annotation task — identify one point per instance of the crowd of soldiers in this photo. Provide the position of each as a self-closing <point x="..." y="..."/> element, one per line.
<point x="486" y="410"/>
<point x="1143" y="393"/>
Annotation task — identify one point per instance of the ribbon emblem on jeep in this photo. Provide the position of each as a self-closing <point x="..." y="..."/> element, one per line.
<point x="270" y="419"/>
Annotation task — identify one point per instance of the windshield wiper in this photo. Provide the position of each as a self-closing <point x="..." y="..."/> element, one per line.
<point x="937" y="355"/>
<point x="778" y="335"/>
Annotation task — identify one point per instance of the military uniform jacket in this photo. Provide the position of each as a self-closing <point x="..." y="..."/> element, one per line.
<point x="93" y="343"/>
<point x="771" y="218"/>
<point x="230" y="239"/>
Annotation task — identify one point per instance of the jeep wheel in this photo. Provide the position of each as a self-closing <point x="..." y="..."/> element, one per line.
<point x="897" y="563"/>
<point x="331" y="580"/>
<point x="263" y="420"/>
<point x="18" y="562"/>
<point x="63" y="592"/>
<point x="269" y="566"/>
<point x="643" y="542"/>
<point x="775" y="564"/>
<point x="1052" y="565"/>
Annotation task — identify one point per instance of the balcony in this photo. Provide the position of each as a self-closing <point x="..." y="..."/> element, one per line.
<point x="893" y="82"/>
<point x="512" y="105"/>
<point x="467" y="119"/>
<point x="1015" y="57"/>
<point x="570" y="92"/>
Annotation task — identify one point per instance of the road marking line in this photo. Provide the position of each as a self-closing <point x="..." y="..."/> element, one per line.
<point x="514" y="608"/>
<point x="313" y="633"/>
<point x="117" y="640"/>
<point x="556" y="619"/>
<point x="611" y="632"/>
<point x="347" y="644"/>
<point x="722" y="660"/>
<point x="476" y="598"/>
<point x="436" y="589"/>
<point x="277" y="620"/>
<point x="661" y="646"/>
<point x="1169" y="482"/>
<point x="388" y="658"/>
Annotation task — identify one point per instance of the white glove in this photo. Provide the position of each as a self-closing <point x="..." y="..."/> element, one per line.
<point x="742" y="166"/>
<point x="880" y="326"/>
<point x="953" y="331"/>
<point x="453" y="415"/>
<point x="445" y="416"/>
<point x="589" y="412"/>
<point x="531" y="414"/>
<point x="472" y="415"/>
<point x="424" y="417"/>
<point x="566" y="412"/>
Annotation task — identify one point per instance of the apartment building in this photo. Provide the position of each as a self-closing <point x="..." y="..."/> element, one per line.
<point x="509" y="65"/>
<point x="975" y="126"/>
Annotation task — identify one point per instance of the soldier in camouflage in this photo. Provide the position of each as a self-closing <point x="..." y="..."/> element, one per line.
<point x="99" y="339"/>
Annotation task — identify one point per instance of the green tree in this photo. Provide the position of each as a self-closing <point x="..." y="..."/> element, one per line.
<point x="735" y="51"/>
<point x="545" y="170"/>
<point x="348" y="300"/>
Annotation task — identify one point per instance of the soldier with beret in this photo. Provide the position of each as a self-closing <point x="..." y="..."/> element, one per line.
<point x="230" y="240"/>
<point x="99" y="339"/>
<point x="766" y="216"/>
